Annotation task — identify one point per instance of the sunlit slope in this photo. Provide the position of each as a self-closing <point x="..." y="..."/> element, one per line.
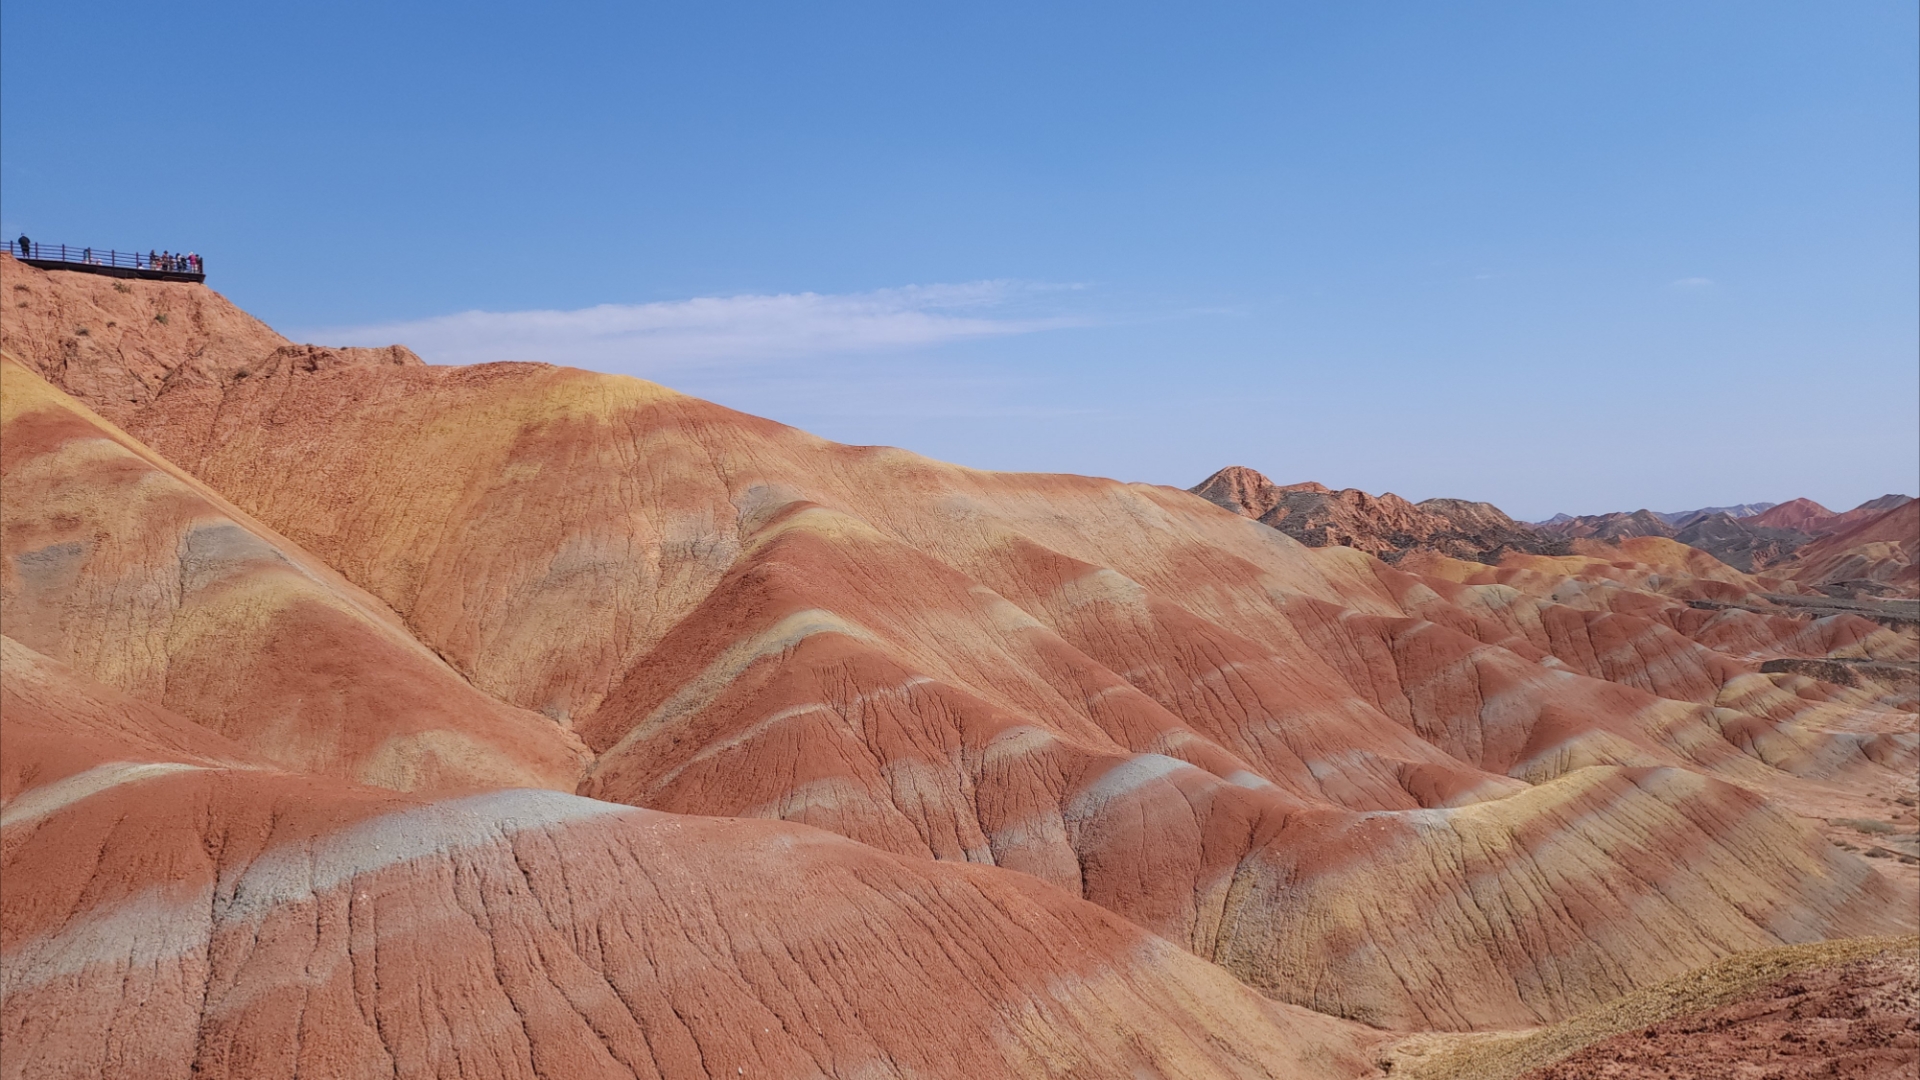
<point x="1883" y="549"/>
<point x="421" y="486"/>
<point x="137" y="575"/>
<point x="65" y="737"/>
<point x="170" y="906"/>
<point x="1301" y="763"/>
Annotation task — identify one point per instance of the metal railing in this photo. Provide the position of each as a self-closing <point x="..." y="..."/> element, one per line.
<point x="156" y="262"/>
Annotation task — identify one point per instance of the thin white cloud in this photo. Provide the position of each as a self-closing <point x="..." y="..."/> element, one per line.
<point x="880" y="387"/>
<point x="1690" y="283"/>
<point x="722" y="330"/>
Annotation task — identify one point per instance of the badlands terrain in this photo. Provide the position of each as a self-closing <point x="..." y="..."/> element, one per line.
<point x="1798" y="547"/>
<point x="364" y="717"/>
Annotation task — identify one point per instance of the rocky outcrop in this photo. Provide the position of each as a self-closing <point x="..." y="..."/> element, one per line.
<point x="116" y="344"/>
<point x="1387" y="527"/>
<point x="1246" y="492"/>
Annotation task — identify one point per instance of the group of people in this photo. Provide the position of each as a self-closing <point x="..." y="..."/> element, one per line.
<point x="165" y="261"/>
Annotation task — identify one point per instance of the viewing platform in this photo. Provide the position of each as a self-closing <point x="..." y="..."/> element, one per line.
<point x="151" y="266"/>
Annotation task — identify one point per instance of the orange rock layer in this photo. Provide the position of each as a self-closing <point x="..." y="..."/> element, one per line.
<point x="513" y="720"/>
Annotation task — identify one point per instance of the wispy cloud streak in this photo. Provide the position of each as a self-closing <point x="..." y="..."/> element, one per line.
<point x="723" y="330"/>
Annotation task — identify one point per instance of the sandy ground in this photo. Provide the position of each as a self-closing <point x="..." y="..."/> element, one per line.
<point x="1830" y="1009"/>
<point x="1857" y="1020"/>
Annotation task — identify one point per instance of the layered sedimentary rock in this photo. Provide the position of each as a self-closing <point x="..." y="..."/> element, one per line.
<point x="1877" y="555"/>
<point x="135" y="573"/>
<point x="1745" y="544"/>
<point x="1868" y="509"/>
<point x="1612" y="526"/>
<point x="1387" y="526"/>
<point x="1800" y="515"/>
<point x="173" y="908"/>
<point x="1750" y="538"/>
<point x="116" y="343"/>
<point x="1680" y="519"/>
<point x="1113" y="687"/>
<point x="915" y="769"/>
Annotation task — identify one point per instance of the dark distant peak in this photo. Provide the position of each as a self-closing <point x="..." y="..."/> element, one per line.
<point x="1469" y="515"/>
<point x="1885" y="502"/>
<point x="1742" y="543"/>
<point x="1680" y="519"/>
<point x="1649" y="520"/>
<point x="1614" y="526"/>
<point x="1716" y="525"/>
<point x="1623" y="525"/>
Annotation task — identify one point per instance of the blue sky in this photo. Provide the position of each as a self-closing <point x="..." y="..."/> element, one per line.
<point x="1563" y="257"/>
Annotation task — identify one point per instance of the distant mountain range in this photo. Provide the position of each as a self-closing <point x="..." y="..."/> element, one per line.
<point x="1680" y="519"/>
<point x="1750" y="537"/>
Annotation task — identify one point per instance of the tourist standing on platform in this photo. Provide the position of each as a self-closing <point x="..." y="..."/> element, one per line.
<point x="26" y="247"/>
